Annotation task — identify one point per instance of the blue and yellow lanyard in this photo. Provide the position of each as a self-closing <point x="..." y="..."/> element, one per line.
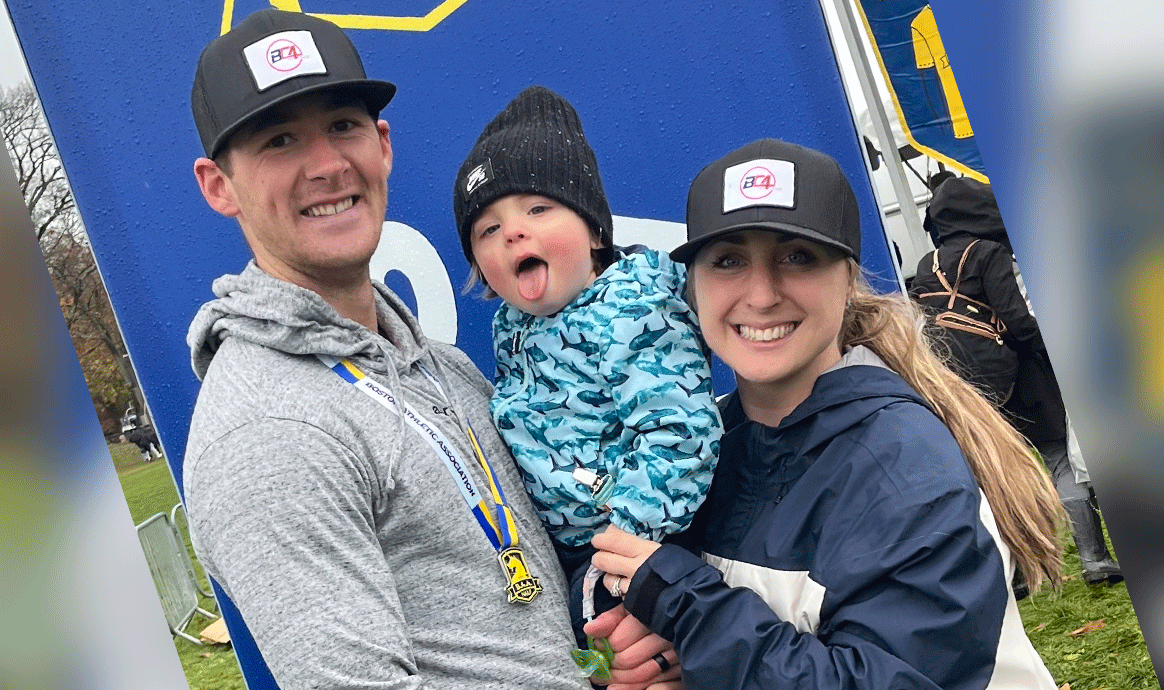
<point x="498" y="524"/>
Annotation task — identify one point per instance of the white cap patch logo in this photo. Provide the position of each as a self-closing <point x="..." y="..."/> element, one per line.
<point x="279" y="57"/>
<point x="760" y="182"/>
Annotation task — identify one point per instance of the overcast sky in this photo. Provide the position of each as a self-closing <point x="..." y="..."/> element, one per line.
<point x="12" y="69"/>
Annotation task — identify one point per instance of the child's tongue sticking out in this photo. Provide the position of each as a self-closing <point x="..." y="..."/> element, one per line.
<point x="531" y="279"/>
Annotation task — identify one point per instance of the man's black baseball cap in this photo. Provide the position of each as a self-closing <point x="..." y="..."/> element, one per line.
<point x="270" y="57"/>
<point x="772" y="185"/>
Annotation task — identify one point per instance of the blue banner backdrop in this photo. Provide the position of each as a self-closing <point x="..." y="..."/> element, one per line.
<point x="662" y="89"/>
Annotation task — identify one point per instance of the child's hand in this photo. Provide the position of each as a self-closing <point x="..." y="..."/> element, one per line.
<point x="619" y="556"/>
<point x="636" y="650"/>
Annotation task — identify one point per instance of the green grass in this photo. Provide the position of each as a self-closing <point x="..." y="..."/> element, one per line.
<point x="149" y="489"/>
<point x="1111" y="658"/>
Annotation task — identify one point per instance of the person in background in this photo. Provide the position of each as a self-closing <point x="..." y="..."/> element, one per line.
<point x="146" y="440"/>
<point x="1011" y="366"/>
<point x="968" y="288"/>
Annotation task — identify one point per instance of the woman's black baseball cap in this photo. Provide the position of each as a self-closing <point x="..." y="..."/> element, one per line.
<point x="772" y="185"/>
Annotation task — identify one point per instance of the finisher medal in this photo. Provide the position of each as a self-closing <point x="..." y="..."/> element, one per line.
<point x="523" y="587"/>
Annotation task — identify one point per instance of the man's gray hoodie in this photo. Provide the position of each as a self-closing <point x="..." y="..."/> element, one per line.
<point x="333" y="526"/>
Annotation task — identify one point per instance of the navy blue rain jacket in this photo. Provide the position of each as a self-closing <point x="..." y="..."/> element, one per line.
<point x="856" y="551"/>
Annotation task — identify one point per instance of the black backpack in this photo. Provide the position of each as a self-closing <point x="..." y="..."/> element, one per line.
<point x="973" y="332"/>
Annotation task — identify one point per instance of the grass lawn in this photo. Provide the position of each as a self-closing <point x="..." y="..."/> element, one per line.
<point x="149" y="490"/>
<point x="1111" y="657"/>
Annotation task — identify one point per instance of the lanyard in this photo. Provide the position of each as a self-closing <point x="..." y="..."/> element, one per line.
<point x="499" y="525"/>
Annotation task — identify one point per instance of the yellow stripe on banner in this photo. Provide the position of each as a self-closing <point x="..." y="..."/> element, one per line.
<point x="1143" y="292"/>
<point x="932" y="153"/>
<point x="227" y="16"/>
<point x="929" y="52"/>
<point x="368" y="21"/>
<point x="286" y="5"/>
<point x="358" y="21"/>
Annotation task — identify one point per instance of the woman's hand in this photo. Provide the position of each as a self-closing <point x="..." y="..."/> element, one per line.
<point x="619" y="556"/>
<point x="637" y="652"/>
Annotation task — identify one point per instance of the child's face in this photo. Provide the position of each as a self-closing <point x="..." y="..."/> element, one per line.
<point x="534" y="252"/>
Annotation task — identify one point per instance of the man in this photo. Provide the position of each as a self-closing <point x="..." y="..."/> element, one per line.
<point x="331" y="482"/>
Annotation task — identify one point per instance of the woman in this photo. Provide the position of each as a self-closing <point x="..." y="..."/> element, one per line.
<point x="847" y="543"/>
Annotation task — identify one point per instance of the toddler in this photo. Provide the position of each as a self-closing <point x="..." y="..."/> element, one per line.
<point x="603" y="389"/>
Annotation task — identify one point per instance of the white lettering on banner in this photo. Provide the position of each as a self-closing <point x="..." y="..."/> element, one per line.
<point x="403" y="248"/>
<point x="663" y="235"/>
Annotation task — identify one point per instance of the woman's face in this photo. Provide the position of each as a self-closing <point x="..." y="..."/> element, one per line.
<point x="771" y="306"/>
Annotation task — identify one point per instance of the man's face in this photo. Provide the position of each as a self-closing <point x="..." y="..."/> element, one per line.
<point x="307" y="182"/>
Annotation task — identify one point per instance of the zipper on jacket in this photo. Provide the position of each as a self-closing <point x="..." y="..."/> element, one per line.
<point x="519" y="333"/>
<point x="761" y="483"/>
<point x="517" y="359"/>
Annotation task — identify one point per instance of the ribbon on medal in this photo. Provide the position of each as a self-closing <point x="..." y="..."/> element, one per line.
<point x="523" y="587"/>
<point x="498" y="524"/>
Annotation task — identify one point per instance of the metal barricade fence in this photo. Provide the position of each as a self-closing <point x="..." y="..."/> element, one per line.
<point x="173" y="573"/>
<point x="189" y="564"/>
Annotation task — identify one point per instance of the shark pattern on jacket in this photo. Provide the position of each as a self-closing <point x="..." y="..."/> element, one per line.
<point x="617" y="382"/>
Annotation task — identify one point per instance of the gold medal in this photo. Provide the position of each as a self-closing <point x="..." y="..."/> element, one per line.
<point x="523" y="587"/>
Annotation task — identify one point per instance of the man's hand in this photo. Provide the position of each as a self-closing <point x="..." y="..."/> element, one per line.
<point x="635" y="650"/>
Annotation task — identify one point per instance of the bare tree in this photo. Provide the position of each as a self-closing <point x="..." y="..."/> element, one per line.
<point x="61" y="234"/>
<point x="38" y="167"/>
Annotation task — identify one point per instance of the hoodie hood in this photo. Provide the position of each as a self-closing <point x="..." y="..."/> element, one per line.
<point x="962" y="205"/>
<point x="273" y="313"/>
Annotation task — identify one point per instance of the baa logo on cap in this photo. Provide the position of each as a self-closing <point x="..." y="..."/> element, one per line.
<point x="760" y="182"/>
<point x="478" y="176"/>
<point x="279" y="57"/>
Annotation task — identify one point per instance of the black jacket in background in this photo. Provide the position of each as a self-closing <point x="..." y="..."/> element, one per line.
<point x="962" y="211"/>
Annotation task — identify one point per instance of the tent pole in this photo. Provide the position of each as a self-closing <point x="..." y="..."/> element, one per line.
<point x="881" y="126"/>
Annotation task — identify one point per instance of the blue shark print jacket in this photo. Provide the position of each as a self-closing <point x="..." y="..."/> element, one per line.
<point x="616" y="382"/>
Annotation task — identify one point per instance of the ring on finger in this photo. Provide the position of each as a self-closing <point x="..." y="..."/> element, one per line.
<point x="662" y="662"/>
<point x="616" y="588"/>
